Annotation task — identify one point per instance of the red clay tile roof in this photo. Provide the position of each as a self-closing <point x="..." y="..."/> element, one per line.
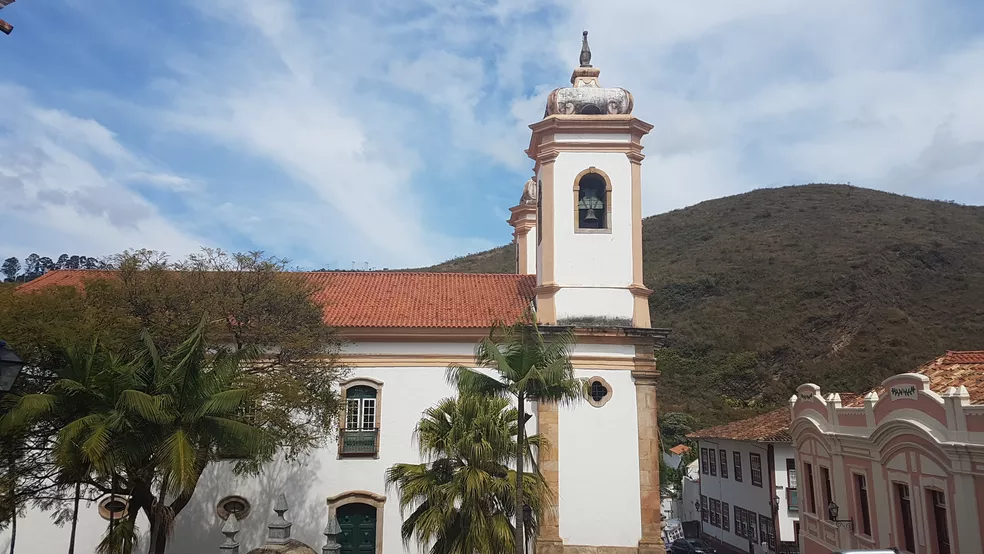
<point x="768" y="427"/>
<point x="952" y="369"/>
<point x="680" y="449"/>
<point x="389" y="299"/>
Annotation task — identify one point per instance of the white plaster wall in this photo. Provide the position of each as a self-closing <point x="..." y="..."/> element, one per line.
<point x="37" y="533"/>
<point x="596" y="259"/>
<point x="743" y="494"/>
<point x="531" y="251"/>
<point x="410" y="348"/>
<point x="598" y="454"/>
<point x="582" y="302"/>
<point x="607" y="350"/>
<point x="690" y="495"/>
<point x="782" y="452"/>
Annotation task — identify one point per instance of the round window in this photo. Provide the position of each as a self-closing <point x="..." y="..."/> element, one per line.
<point x="233" y="505"/>
<point x="597" y="391"/>
<point x="113" y="507"/>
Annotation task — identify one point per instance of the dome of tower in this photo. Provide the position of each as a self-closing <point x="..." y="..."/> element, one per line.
<point x="586" y="96"/>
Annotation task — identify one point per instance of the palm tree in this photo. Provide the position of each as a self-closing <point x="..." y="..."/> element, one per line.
<point x="462" y="500"/>
<point x="147" y="427"/>
<point x="86" y="389"/>
<point x="530" y="368"/>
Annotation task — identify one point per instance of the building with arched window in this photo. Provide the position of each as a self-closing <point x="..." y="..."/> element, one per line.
<point x="901" y="466"/>
<point x="578" y="233"/>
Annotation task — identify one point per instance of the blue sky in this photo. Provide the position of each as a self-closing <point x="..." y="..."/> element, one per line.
<point x="392" y="132"/>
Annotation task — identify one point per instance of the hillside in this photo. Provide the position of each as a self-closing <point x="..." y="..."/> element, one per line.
<point x="827" y="283"/>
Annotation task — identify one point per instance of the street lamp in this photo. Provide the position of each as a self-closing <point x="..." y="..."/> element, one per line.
<point x="10" y="367"/>
<point x="833" y="510"/>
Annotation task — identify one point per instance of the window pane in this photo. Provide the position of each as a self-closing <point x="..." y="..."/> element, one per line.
<point x="862" y="489"/>
<point x="827" y="495"/>
<point x="811" y="497"/>
<point x="905" y="514"/>
<point x="755" y="463"/>
<point x="723" y="457"/>
<point x="940" y="522"/>
<point x="369" y="413"/>
<point x="352" y="414"/>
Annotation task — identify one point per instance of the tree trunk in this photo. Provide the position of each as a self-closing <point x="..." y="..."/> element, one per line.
<point x="520" y="531"/>
<point x="13" y="530"/>
<point x="13" y="503"/>
<point x="75" y="517"/>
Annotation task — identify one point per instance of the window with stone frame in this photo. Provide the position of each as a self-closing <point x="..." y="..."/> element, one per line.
<point x="703" y="508"/>
<point x="704" y="464"/>
<point x="725" y="516"/>
<point x="723" y="457"/>
<point x="811" y="494"/>
<point x="864" y="509"/>
<point x="755" y="466"/>
<point x="713" y="460"/>
<point x="904" y="507"/>
<point x="737" y="456"/>
<point x="715" y="512"/>
<point x="360" y="433"/>
<point x="937" y="499"/>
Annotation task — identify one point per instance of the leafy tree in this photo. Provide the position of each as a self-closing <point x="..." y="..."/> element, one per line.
<point x="150" y="424"/>
<point x="268" y="309"/>
<point x="32" y="267"/>
<point x="462" y="499"/>
<point x="530" y="368"/>
<point x="674" y="428"/>
<point x="10" y="268"/>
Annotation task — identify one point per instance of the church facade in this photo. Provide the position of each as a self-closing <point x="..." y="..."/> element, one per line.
<point x="578" y="236"/>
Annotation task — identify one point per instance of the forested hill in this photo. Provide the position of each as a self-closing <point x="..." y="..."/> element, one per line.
<point x="833" y="284"/>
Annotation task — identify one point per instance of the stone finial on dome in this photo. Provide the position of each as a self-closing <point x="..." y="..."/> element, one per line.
<point x="585" y="50"/>
<point x="586" y="96"/>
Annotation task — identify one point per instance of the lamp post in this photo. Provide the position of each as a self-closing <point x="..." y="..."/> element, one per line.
<point x="10" y="368"/>
<point x="833" y="510"/>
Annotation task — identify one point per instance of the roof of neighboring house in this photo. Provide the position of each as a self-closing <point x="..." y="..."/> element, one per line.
<point x="953" y="369"/>
<point x="680" y="449"/>
<point x="768" y="427"/>
<point x="388" y="299"/>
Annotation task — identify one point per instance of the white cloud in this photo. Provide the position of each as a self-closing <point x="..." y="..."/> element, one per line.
<point x="60" y="194"/>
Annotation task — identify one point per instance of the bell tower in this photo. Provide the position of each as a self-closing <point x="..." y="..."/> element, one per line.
<point x="588" y="154"/>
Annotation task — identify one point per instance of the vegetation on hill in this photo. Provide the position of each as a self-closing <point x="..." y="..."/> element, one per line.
<point x="35" y="266"/>
<point x="833" y="284"/>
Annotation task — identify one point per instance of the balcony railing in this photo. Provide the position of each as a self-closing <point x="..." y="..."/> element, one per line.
<point x="792" y="500"/>
<point x="361" y="442"/>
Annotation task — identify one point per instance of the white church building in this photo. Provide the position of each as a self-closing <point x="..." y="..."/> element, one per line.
<point x="578" y="237"/>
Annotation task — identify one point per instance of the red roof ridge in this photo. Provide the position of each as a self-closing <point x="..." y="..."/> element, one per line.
<point x="389" y="299"/>
<point x="768" y="427"/>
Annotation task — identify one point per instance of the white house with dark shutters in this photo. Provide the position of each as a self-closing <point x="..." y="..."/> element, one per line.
<point x="748" y="489"/>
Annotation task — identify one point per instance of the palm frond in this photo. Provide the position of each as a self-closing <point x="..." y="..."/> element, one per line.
<point x="151" y="408"/>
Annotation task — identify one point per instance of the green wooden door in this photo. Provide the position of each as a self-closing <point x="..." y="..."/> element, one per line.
<point x="358" y="522"/>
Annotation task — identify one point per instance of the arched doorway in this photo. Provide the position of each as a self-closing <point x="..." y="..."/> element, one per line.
<point x="358" y="522"/>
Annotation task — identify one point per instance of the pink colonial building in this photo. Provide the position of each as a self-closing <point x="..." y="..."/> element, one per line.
<point x="901" y="466"/>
